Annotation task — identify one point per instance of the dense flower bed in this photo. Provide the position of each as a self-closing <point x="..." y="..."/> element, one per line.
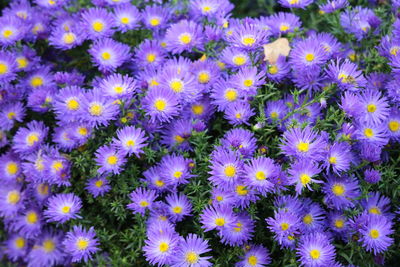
<point x="175" y="134"/>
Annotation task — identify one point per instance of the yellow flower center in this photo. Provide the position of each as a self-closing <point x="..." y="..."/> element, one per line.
<point x="98" y="26"/>
<point x="99" y="183"/>
<point x="12" y="168"/>
<point x="19" y="242"/>
<point x="57" y="165"/>
<point x="106" y="55"/>
<point x="310" y="57"/>
<point x="178" y="174"/>
<point x="315" y="254"/>
<point x="22" y="62"/>
<point x="163" y="247"/>
<point x="191" y="257"/>
<point x="150" y="57"/>
<point x="241" y="190"/>
<point x="82" y="131"/>
<point x="69" y="38"/>
<point x="177" y="209"/>
<point x="273" y="69"/>
<point x="260" y="175"/>
<point x="375" y="210"/>
<point x="119" y="89"/>
<point x="338" y="189"/>
<point x="160" y="104"/>
<point x="112" y="160"/>
<point x="72" y="104"/>
<point x="371" y="108"/>
<point x="284" y="27"/>
<point x="239" y="60"/>
<point x="32" y="217"/>
<point x="252" y="260"/>
<point x="248" y="40"/>
<point x="303" y="147"/>
<point x="82" y="243"/>
<point x="176" y="86"/>
<point x="159" y="183"/>
<point x="220" y="221"/>
<point x="197" y="109"/>
<point x="204" y="77"/>
<point x="308" y="219"/>
<point x="368" y="132"/>
<point x="206" y="9"/>
<point x="49" y="245"/>
<point x="7" y="33"/>
<point x="293" y="2"/>
<point x="332" y="160"/>
<point x="185" y="38"/>
<point x="230" y="95"/>
<point x="339" y="223"/>
<point x="305" y="179"/>
<point x="374" y="233"/>
<point x="66" y="209"/>
<point x="274" y="115"/>
<point x="95" y="109"/>
<point x="154" y="21"/>
<point x="36" y="81"/>
<point x="130" y="143"/>
<point x="238" y="227"/>
<point x="248" y="82"/>
<point x="143" y="203"/>
<point x="394" y="126"/>
<point x="124" y="20"/>
<point x="284" y="226"/>
<point x="179" y="139"/>
<point x="43" y="189"/>
<point x="219" y="198"/>
<point x="230" y="171"/>
<point x="13" y="197"/>
<point x="3" y="68"/>
<point x="32" y="138"/>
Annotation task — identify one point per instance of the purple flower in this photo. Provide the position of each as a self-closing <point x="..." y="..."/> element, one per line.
<point x="81" y="244"/>
<point x="175" y="170"/>
<point x="332" y="5"/>
<point x="179" y="206"/>
<point x="257" y="256"/>
<point x="240" y="232"/>
<point x="248" y="80"/>
<point x="226" y="168"/>
<point x="161" y="246"/>
<point x="16" y="246"/>
<point x="28" y="139"/>
<point x="189" y="253"/>
<point x="316" y="250"/>
<point x="97" y="23"/>
<point x="217" y="217"/>
<point x="260" y="173"/>
<point x="308" y="54"/>
<point x="284" y="225"/>
<point x="161" y="104"/>
<point x="239" y="113"/>
<point x="29" y="223"/>
<point x="108" y="54"/>
<point x="240" y="140"/>
<point x="8" y="66"/>
<point x="346" y="75"/>
<point x="375" y="234"/>
<point x="372" y="176"/>
<point x="126" y="17"/>
<point x="374" y="108"/>
<point x="62" y="208"/>
<point x="142" y="199"/>
<point x="98" y="186"/>
<point x="301" y="174"/>
<point x="339" y="157"/>
<point x="149" y="54"/>
<point x="283" y="23"/>
<point x="247" y="36"/>
<point x="184" y="36"/>
<point x="341" y="193"/>
<point x="156" y="17"/>
<point x="109" y="159"/>
<point x="118" y="86"/>
<point x="131" y="140"/>
<point x="295" y="4"/>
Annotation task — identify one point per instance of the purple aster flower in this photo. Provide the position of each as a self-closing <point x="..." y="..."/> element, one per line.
<point x="62" y="208"/>
<point x="239" y="113"/>
<point x="29" y="223"/>
<point x="108" y="54"/>
<point x="209" y="9"/>
<point x="65" y="40"/>
<point x="359" y="21"/>
<point x="338" y="223"/>
<point x="377" y="204"/>
<point x="377" y="80"/>
<point x="126" y="17"/>
<point x="57" y="168"/>
<point x="28" y="139"/>
<point x="40" y="191"/>
<point x="16" y="247"/>
<point x="275" y="110"/>
<point x="68" y="103"/>
<point x="142" y="199"/>
<point x="97" y="23"/>
<point x="175" y="170"/>
<point x="393" y="124"/>
<point x="313" y="217"/>
<point x="8" y="67"/>
<point x="372" y="176"/>
<point x="217" y="217"/>
<point x="339" y="157"/>
<point x="283" y="23"/>
<point x="98" y="186"/>
<point x="10" y="167"/>
<point x="350" y="104"/>
<point x="131" y="140"/>
<point x="10" y="113"/>
<point x="161" y="247"/>
<point x="156" y="17"/>
<point x="256" y="256"/>
<point x="12" y="29"/>
<point x="149" y="53"/>
<point x="200" y="109"/>
<point x="278" y="71"/>
<point x="341" y="193"/>
<point x="98" y="110"/>
<point x="301" y="174"/>
<point x="110" y="159"/>
<point x="161" y="104"/>
<point x="73" y="78"/>
<point x="240" y="232"/>
<point x="375" y="108"/>
<point x="11" y="199"/>
<point x="189" y="253"/>
<point x="81" y="244"/>
<point x="332" y="5"/>
<point x="372" y="134"/>
<point x="307" y="54"/>
<point x="118" y="86"/>
<point x="177" y="134"/>
<point x="296" y="3"/>
<point x="329" y="42"/>
<point x="47" y="250"/>
<point x="375" y="234"/>
<point x="62" y="136"/>
<point x="154" y="179"/>
<point x="241" y="140"/>
<point x="244" y="195"/>
<point x="346" y="75"/>
<point x="184" y="36"/>
<point x="247" y="36"/>
<point x="303" y="143"/>
<point x="248" y="79"/>
<point x="284" y="224"/>
<point x="206" y="72"/>
<point x="224" y="93"/>
<point x="226" y="168"/>
<point x="316" y="250"/>
<point x="234" y="57"/>
<point x="179" y="206"/>
<point x="259" y="173"/>
<point x="222" y="196"/>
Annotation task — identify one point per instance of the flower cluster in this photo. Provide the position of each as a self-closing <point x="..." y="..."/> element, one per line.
<point x="168" y="116"/>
